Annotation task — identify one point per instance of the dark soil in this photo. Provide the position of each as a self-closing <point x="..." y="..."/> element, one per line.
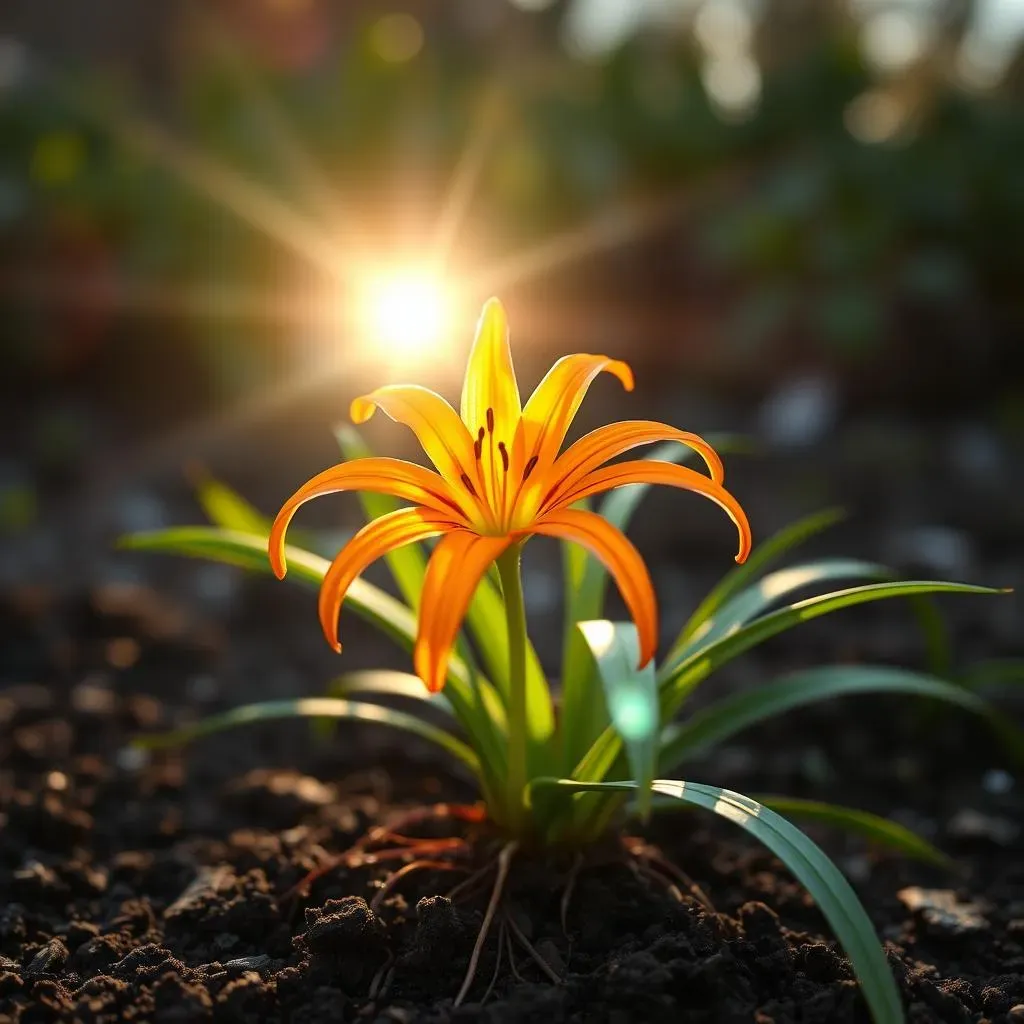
<point x="139" y="889"/>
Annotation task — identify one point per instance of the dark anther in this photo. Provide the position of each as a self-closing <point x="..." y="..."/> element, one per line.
<point x="490" y="421"/>
<point x="529" y="466"/>
<point x="469" y="484"/>
<point x="480" y="436"/>
<point x="504" y="454"/>
<point x="478" y="446"/>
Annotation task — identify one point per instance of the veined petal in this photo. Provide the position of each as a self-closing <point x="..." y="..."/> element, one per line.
<point x="377" y="538"/>
<point x="649" y="471"/>
<point x="458" y="562"/>
<point x="605" y="443"/>
<point x="622" y="560"/>
<point x="384" y="476"/>
<point x="435" y="423"/>
<point x="490" y="377"/>
<point x="553" y="405"/>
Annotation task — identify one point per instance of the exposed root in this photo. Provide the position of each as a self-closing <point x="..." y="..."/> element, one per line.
<point x="468" y="883"/>
<point x="502" y="937"/>
<point x="391" y="882"/>
<point x="400" y="845"/>
<point x="513" y="966"/>
<point x="570" y="885"/>
<point x="504" y="860"/>
<point x="665" y="871"/>
<point x="382" y="978"/>
<point x="514" y="928"/>
<point x="662" y="881"/>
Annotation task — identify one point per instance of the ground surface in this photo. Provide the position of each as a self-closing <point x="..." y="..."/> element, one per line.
<point x="150" y="889"/>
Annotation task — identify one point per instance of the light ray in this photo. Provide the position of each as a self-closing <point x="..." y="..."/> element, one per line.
<point x="466" y="176"/>
<point x="311" y="181"/>
<point x="218" y="182"/>
<point x="184" y="299"/>
<point x="618" y="226"/>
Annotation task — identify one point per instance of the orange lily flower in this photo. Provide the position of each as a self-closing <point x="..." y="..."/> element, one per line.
<point x="500" y="478"/>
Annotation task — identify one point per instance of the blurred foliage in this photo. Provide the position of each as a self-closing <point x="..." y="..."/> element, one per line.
<point x="877" y="216"/>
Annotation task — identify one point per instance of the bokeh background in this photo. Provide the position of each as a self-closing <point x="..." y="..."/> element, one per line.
<point x="800" y="220"/>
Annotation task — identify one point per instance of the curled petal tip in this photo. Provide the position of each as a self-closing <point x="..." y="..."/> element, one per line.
<point x="361" y="409"/>
<point x="278" y="562"/>
<point x="336" y="646"/>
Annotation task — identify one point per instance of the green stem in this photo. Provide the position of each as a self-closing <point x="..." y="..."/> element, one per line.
<point x="515" y="617"/>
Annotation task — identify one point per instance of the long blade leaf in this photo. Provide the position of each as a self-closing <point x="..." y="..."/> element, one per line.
<point x="682" y="677"/>
<point x="679" y="680"/>
<point x="731" y="715"/>
<point x="772" y="589"/>
<point x="388" y="683"/>
<point x="314" y="707"/>
<point x="873" y="827"/>
<point x="475" y="702"/>
<point x="822" y="879"/>
<point x="763" y="555"/>
<point x="995" y="674"/>
<point x="226" y="508"/>
<point x="630" y="695"/>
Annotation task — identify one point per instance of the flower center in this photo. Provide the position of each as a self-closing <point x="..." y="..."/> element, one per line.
<point x="493" y="465"/>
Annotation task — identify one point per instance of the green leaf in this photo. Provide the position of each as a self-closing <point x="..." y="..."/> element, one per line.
<point x="769" y="590"/>
<point x="631" y="696"/>
<point x="731" y="715"/>
<point x="407" y="564"/>
<point x="586" y="584"/>
<point x="388" y="683"/>
<point x="473" y="699"/>
<point x="762" y="556"/>
<point x="226" y="508"/>
<point x="380" y="683"/>
<point x="996" y="673"/>
<point x="683" y="677"/>
<point x="872" y="827"/>
<point x="808" y="863"/>
<point x="314" y="707"/>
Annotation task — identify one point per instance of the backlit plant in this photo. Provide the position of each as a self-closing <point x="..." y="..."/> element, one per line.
<point x="613" y="747"/>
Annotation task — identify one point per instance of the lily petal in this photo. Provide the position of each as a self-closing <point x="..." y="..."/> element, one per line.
<point x="435" y="423"/>
<point x="622" y="560"/>
<point x="490" y="377"/>
<point x="374" y="540"/>
<point x="555" y="402"/>
<point x="455" y="568"/>
<point x="650" y="471"/>
<point x="605" y="443"/>
<point x="384" y="476"/>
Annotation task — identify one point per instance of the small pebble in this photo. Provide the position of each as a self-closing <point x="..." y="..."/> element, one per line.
<point x="49" y="960"/>
<point x="997" y="782"/>
<point x="942" y="913"/>
<point x="968" y="823"/>
<point x="247" y="963"/>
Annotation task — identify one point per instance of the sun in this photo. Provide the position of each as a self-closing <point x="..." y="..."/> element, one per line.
<point x="406" y="312"/>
